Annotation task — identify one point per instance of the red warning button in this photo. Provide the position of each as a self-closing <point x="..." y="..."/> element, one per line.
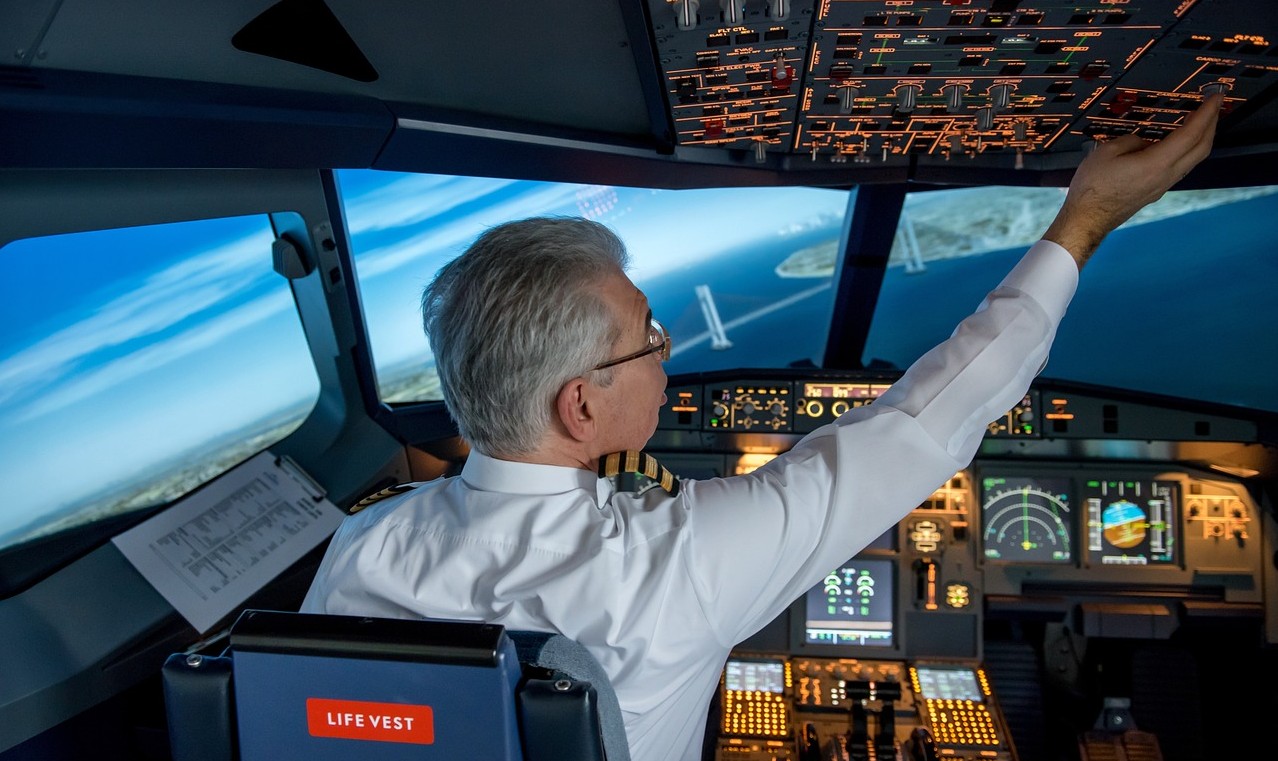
<point x="362" y="720"/>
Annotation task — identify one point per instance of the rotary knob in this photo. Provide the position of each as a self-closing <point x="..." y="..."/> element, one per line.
<point x="954" y="97"/>
<point x="686" y="13"/>
<point x="847" y="98"/>
<point x="907" y="96"/>
<point x="733" y="11"/>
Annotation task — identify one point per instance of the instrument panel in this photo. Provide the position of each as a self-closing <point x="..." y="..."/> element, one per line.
<point x="850" y="708"/>
<point x="1061" y="507"/>
<point x="1099" y="515"/>
<point x="780" y="406"/>
<point x="895" y="81"/>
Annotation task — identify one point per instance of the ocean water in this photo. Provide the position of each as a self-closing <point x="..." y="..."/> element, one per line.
<point x="743" y="282"/>
<point x="1184" y="306"/>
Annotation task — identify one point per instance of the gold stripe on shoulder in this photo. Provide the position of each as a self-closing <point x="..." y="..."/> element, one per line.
<point x="376" y="497"/>
<point x="637" y="472"/>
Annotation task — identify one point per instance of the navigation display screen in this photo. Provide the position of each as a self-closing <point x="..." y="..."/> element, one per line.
<point x="1027" y="519"/>
<point x="1130" y="522"/>
<point x="853" y="605"/>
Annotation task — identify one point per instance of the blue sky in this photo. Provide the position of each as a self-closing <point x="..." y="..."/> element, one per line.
<point x="126" y="349"/>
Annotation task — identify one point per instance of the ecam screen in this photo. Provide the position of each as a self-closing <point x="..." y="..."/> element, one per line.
<point x="853" y="605"/>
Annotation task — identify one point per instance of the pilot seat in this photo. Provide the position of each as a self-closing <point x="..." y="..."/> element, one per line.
<point x="319" y="687"/>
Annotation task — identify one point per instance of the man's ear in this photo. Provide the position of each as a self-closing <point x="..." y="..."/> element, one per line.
<point x="576" y="410"/>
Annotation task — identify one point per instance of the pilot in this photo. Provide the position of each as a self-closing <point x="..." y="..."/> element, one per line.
<point x="551" y="360"/>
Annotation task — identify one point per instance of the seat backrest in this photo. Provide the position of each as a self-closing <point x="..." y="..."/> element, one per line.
<point x="310" y="686"/>
<point x="566" y="658"/>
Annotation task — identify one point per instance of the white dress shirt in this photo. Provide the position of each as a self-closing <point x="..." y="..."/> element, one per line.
<point x="660" y="589"/>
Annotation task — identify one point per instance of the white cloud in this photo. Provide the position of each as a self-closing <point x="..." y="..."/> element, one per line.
<point x="449" y="239"/>
<point x="201" y="280"/>
<point x="96" y="381"/>
<point x="413" y="199"/>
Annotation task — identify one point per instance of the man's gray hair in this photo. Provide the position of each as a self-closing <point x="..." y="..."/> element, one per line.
<point x="514" y="318"/>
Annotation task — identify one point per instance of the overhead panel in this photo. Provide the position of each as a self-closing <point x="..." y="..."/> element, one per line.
<point x="930" y="81"/>
<point x="1216" y="47"/>
<point x="734" y="69"/>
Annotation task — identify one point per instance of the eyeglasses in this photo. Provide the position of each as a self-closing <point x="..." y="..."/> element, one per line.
<point x="658" y="341"/>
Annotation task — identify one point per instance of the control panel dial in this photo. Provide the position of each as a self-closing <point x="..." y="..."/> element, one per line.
<point x="763" y="406"/>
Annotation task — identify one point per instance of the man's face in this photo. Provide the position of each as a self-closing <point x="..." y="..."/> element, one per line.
<point x="638" y="389"/>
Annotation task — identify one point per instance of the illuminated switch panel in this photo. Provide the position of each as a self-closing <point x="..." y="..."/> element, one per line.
<point x="821" y="401"/>
<point x="941" y="80"/>
<point x="755" y="697"/>
<point x="1217" y="516"/>
<point x="1215" y="47"/>
<point x="761" y="406"/>
<point x="940" y="515"/>
<point x="682" y="409"/>
<point x="755" y="713"/>
<point x="906" y="82"/>
<point x="821" y="683"/>
<point x="1019" y="422"/>
<point x="733" y="70"/>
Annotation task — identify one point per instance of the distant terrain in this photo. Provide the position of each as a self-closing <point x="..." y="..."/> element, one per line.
<point x="953" y="224"/>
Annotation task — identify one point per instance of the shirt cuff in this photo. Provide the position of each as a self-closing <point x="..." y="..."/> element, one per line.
<point x="1049" y="274"/>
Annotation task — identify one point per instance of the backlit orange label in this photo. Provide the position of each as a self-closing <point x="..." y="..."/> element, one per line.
<point x="362" y="720"/>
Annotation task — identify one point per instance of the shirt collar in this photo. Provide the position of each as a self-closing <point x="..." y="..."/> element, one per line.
<point x="491" y="474"/>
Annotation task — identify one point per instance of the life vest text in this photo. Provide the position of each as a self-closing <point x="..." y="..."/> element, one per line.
<point x="364" y="720"/>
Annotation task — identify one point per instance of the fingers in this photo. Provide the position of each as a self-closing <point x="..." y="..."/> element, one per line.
<point x="1198" y="132"/>
<point x="1126" y="173"/>
<point x="1191" y="142"/>
<point x="1176" y="154"/>
<point x="1129" y="143"/>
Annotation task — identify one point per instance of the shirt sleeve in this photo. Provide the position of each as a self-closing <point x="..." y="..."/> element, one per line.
<point x="758" y="541"/>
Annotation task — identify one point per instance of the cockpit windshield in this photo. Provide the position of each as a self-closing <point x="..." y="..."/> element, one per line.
<point x="742" y="277"/>
<point x="1150" y="314"/>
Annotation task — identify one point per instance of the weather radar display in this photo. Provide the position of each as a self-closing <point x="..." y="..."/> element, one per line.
<point x="1026" y="519"/>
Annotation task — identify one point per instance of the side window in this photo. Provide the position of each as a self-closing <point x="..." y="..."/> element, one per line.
<point x="139" y="363"/>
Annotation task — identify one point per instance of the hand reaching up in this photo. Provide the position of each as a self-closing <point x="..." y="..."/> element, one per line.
<point x="1124" y="175"/>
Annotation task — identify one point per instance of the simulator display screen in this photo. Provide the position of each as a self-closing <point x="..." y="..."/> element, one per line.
<point x="1130" y="522"/>
<point x="853" y="605"/>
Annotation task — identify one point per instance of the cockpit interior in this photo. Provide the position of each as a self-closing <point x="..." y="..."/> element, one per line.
<point x="217" y="219"/>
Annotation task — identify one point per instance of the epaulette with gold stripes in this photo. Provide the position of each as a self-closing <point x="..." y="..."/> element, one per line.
<point x="637" y="472"/>
<point x="376" y="497"/>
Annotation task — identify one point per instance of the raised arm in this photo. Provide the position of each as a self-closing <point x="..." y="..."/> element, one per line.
<point x="1124" y="175"/>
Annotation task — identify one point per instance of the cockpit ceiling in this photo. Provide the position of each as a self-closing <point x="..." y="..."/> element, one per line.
<point x="821" y="91"/>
